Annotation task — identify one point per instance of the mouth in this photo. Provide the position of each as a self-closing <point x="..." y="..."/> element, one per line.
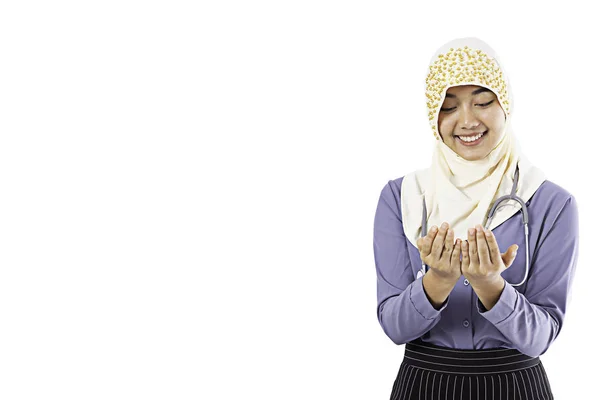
<point x="471" y="140"/>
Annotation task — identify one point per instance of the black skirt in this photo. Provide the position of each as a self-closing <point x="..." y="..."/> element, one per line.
<point x="434" y="372"/>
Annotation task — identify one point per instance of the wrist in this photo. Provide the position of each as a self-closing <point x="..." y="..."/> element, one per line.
<point x="489" y="292"/>
<point x="496" y="281"/>
<point x="440" y="279"/>
<point x="436" y="289"/>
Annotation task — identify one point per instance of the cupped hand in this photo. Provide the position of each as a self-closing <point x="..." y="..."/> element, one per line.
<point x="482" y="262"/>
<point x="441" y="253"/>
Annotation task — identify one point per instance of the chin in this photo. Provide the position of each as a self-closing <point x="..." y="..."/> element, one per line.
<point x="471" y="156"/>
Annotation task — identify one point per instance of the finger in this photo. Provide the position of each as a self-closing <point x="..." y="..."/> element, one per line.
<point x="421" y="248"/>
<point x="510" y="255"/>
<point x="473" y="257"/>
<point x="483" y="251"/>
<point x="449" y="245"/>
<point x="432" y="232"/>
<point x="455" y="260"/>
<point x="495" y="255"/>
<point x="464" y="265"/>
<point x="438" y="242"/>
<point x="427" y="240"/>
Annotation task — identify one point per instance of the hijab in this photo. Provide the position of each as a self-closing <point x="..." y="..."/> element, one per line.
<point x="459" y="191"/>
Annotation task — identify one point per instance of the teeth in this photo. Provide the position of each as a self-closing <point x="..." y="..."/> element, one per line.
<point x="472" y="138"/>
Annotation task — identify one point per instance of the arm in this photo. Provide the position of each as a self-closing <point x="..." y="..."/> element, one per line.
<point x="403" y="309"/>
<point x="533" y="321"/>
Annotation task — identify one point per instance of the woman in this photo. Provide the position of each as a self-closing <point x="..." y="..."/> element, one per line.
<point x="475" y="313"/>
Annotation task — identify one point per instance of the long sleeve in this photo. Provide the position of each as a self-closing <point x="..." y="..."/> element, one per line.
<point x="533" y="320"/>
<point x="403" y="309"/>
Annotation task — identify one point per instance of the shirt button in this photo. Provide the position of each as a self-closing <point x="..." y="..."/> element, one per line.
<point x="466" y="323"/>
<point x="466" y="282"/>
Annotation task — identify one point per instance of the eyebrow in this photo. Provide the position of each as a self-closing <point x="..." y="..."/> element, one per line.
<point x="473" y="93"/>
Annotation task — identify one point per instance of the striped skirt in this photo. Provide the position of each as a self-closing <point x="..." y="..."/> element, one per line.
<point x="430" y="372"/>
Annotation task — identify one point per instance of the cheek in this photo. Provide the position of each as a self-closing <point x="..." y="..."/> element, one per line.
<point x="498" y="125"/>
<point x="444" y="126"/>
<point x="495" y="119"/>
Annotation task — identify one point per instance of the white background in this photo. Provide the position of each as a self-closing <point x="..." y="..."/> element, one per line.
<point x="188" y="189"/>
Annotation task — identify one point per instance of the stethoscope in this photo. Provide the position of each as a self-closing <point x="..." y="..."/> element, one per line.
<point x="511" y="196"/>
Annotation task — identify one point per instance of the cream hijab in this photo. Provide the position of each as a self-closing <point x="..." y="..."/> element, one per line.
<point x="459" y="191"/>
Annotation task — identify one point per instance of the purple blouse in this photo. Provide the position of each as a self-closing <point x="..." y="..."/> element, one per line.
<point x="527" y="317"/>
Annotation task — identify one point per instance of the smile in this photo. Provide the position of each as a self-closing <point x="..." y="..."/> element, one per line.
<point x="471" y="140"/>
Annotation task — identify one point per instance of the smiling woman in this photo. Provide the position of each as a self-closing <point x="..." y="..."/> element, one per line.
<point x="482" y="335"/>
<point x="471" y="121"/>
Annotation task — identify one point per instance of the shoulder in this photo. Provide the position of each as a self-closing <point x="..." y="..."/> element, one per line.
<point x="551" y="196"/>
<point x="393" y="188"/>
<point x="412" y="182"/>
<point x="553" y="190"/>
<point x="390" y="194"/>
<point x="554" y="208"/>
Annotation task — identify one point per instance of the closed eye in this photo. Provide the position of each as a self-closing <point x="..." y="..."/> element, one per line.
<point x="481" y="105"/>
<point x="486" y="104"/>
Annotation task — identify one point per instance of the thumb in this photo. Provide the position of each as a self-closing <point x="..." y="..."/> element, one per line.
<point x="510" y="255"/>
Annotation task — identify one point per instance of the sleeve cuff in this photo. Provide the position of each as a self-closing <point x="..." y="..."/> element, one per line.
<point x="503" y="308"/>
<point x="421" y="303"/>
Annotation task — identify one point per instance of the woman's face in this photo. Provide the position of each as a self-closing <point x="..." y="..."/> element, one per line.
<point x="468" y="111"/>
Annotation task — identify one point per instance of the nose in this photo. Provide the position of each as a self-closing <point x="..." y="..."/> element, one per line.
<point x="467" y="118"/>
